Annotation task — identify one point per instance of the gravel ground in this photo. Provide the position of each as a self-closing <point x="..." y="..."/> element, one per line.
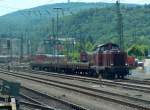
<point x="77" y="98"/>
<point x="46" y="101"/>
<point x="23" y="107"/>
<point x="142" y="73"/>
<point x="117" y="90"/>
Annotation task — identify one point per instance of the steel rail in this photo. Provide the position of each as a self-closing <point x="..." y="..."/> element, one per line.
<point x="96" y="81"/>
<point x="35" y="105"/>
<point x="117" y="83"/>
<point x="131" y="104"/>
<point x="64" y="102"/>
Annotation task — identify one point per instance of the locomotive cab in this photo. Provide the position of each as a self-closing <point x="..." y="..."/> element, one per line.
<point x="110" y="61"/>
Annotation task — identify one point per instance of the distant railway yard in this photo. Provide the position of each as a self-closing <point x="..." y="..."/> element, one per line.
<point x="97" y="81"/>
<point x="53" y="91"/>
<point x="75" y="56"/>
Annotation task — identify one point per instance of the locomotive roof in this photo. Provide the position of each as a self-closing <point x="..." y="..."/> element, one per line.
<point x="107" y="44"/>
<point x="50" y="55"/>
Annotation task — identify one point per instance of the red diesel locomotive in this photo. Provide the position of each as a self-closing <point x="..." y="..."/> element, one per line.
<point x="107" y="61"/>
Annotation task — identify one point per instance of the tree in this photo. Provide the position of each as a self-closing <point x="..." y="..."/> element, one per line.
<point x="138" y="50"/>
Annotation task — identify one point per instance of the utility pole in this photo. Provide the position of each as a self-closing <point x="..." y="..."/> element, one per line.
<point x="68" y="1"/>
<point x="135" y="34"/>
<point x="0" y="46"/>
<point x="120" y="25"/>
<point x="9" y="48"/>
<point x="27" y="40"/>
<point x="57" y="30"/>
<point x="21" y="49"/>
<point x="28" y="47"/>
<point x="53" y="35"/>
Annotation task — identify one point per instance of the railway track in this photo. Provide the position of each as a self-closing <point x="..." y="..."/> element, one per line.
<point x="34" y="106"/>
<point x="31" y="102"/>
<point x="43" y="101"/>
<point x="147" y="82"/>
<point x="113" y="97"/>
<point x="50" y="102"/>
<point x="122" y="84"/>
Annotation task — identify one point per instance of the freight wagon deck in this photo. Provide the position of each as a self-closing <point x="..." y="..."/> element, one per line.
<point x="82" y="69"/>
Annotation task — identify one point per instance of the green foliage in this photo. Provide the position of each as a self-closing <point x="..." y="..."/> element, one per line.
<point x="138" y="50"/>
<point x="101" y="25"/>
<point x="89" y="24"/>
<point x="74" y="55"/>
<point x="89" y="46"/>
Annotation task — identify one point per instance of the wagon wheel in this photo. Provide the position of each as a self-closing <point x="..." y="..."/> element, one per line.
<point x="122" y="76"/>
<point x="104" y="75"/>
<point x="113" y="76"/>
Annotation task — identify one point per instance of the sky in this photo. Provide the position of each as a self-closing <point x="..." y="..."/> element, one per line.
<point x="8" y="6"/>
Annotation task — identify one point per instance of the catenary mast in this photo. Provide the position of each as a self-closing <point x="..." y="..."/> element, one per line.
<point x="120" y="25"/>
